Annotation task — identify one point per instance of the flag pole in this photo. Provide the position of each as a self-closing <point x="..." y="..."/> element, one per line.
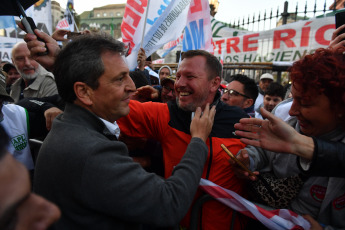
<point x="75" y="25"/>
<point x="147" y="12"/>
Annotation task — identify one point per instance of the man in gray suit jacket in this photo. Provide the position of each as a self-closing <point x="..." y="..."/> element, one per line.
<point x="86" y="171"/>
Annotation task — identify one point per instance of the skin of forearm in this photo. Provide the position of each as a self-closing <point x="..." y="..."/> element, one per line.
<point x="303" y="146"/>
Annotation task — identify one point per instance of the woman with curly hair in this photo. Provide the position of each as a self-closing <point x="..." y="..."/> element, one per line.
<point x="318" y="110"/>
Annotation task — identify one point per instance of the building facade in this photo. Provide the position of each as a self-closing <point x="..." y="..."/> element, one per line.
<point x="106" y="18"/>
<point x="57" y="13"/>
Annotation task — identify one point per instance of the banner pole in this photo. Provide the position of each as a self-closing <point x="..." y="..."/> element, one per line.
<point x="147" y="12"/>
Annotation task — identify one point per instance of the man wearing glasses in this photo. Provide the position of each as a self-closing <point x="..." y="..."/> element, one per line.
<point x="168" y="92"/>
<point x="242" y="92"/>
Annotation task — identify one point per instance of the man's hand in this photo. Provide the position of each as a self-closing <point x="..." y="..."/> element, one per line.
<point x="59" y="35"/>
<point x="36" y="47"/>
<point x="50" y="114"/>
<point x="274" y="135"/>
<point x="141" y="59"/>
<point x="338" y="40"/>
<point x="145" y="93"/>
<point x="238" y="170"/>
<point x="202" y="123"/>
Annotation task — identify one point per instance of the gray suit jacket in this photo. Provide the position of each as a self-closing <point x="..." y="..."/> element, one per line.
<point x="98" y="186"/>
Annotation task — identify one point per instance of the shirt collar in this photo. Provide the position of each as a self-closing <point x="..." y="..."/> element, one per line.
<point x="113" y="127"/>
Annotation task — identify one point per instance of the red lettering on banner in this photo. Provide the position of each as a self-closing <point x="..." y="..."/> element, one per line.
<point x="233" y="42"/>
<point x="140" y="8"/>
<point x="305" y="35"/>
<point x="278" y="37"/>
<point x="136" y="18"/>
<point x="320" y="34"/>
<point x="219" y="44"/>
<point x="247" y="42"/>
<point x="196" y="6"/>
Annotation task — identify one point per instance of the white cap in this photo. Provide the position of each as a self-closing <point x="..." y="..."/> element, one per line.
<point x="267" y="76"/>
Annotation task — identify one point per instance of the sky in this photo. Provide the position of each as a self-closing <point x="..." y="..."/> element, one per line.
<point x="228" y="10"/>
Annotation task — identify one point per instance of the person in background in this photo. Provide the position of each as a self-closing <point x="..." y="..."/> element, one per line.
<point x="242" y="92"/>
<point x="164" y="72"/>
<point x="138" y="78"/>
<point x="22" y="124"/>
<point x="35" y="81"/>
<point x="12" y="75"/>
<point x="20" y="208"/>
<point x="168" y="91"/>
<point x="265" y="80"/>
<point x="274" y="94"/>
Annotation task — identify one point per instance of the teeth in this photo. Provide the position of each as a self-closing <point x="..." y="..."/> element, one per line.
<point x="184" y="93"/>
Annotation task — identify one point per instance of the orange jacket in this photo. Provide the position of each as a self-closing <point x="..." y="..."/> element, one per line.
<point x="171" y="126"/>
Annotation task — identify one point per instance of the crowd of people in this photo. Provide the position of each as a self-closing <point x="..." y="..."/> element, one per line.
<point x="126" y="149"/>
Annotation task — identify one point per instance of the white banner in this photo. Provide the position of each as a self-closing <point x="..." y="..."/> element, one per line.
<point x="162" y="25"/>
<point x="286" y="43"/>
<point x="6" y="45"/>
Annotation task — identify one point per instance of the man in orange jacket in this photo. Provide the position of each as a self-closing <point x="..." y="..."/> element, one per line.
<point x="197" y="83"/>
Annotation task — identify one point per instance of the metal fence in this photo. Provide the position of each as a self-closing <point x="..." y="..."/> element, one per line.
<point x="270" y="19"/>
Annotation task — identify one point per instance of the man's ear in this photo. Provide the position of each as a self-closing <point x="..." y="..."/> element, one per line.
<point x="215" y="83"/>
<point x="248" y="102"/>
<point x="83" y="93"/>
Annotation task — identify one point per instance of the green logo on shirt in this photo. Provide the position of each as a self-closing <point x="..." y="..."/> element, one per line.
<point x="19" y="142"/>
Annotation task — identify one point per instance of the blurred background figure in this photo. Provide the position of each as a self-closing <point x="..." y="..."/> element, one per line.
<point x="12" y="75"/>
<point x="265" y="81"/>
<point x="242" y="92"/>
<point x="274" y="94"/>
<point x="164" y="72"/>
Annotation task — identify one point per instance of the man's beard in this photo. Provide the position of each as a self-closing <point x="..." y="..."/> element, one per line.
<point x="31" y="76"/>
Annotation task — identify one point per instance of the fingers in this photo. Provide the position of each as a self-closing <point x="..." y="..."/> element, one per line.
<point x="45" y="37"/>
<point x="266" y="114"/>
<point x="49" y="120"/>
<point x="198" y="112"/>
<point x="336" y="32"/>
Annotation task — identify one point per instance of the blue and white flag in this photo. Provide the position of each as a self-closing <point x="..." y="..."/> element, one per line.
<point x="165" y="22"/>
<point x="7" y="22"/>
<point x="198" y="32"/>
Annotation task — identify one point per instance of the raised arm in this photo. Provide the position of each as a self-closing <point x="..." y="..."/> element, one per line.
<point x="275" y="135"/>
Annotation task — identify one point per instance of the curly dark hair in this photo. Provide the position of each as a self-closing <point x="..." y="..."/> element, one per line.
<point x="323" y="72"/>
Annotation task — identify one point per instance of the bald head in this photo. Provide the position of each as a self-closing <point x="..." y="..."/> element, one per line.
<point x="21" y="58"/>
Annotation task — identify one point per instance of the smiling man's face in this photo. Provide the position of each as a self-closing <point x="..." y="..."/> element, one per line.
<point x="192" y="86"/>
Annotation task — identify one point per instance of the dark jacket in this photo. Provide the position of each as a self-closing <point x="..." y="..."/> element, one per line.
<point x="89" y="175"/>
<point x="327" y="155"/>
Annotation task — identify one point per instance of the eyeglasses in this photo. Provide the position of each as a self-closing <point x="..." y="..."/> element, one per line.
<point x="232" y="92"/>
<point x="167" y="89"/>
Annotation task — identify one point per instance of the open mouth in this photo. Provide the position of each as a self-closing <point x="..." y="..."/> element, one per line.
<point x="184" y="94"/>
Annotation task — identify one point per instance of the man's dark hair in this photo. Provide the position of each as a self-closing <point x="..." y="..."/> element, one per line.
<point x="275" y="89"/>
<point x="138" y="78"/>
<point x="81" y="61"/>
<point x="4" y="139"/>
<point x="250" y="87"/>
<point x="213" y="65"/>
